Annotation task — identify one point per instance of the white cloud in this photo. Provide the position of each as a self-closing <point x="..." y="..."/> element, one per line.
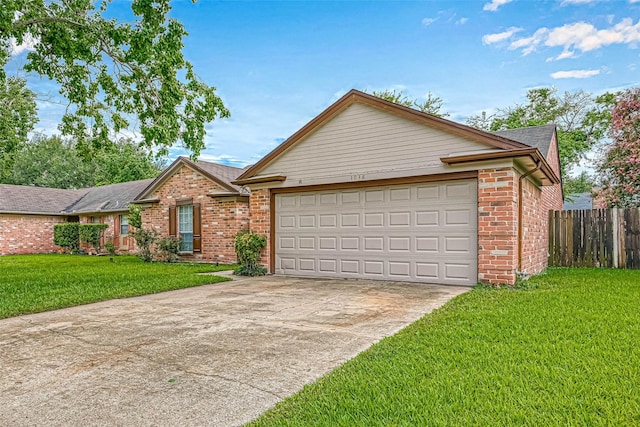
<point x="28" y="43"/>
<point x="500" y="37"/>
<point x="566" y="2"/>
<point x="428" y="21"/>
<point x="495" y="4"/>
<point x="579" y="36"/>
<point x="529" y="44"/>
<point x="463" y="21"/>
<point x="634" y="1"/>
<point x="575" y="74"/>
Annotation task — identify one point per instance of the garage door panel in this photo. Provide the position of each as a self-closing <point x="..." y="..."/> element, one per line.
<point x="420" y="232"/>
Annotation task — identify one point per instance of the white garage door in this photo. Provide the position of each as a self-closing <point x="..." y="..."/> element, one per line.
<point x="419" y="232"/>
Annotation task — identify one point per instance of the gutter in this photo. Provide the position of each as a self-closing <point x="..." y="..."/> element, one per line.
<point x="520" y="215"/>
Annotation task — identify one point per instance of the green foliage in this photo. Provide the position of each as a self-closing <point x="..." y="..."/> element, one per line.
<point x="582" y="183"/>
<point x="145" y="239"/>
<point x="113" y="73"/>
<point x="18" y="115"/>
<point x="581" y="119"/>
<point x="248" y="247"/>
<point x="110" y="247"/>
<point x="562" y="353"/>
<point x="35" y="283"/>
<point x="168" y="248"/>
<point x="67" y="235"/>
<point x="91" y="233"/>
<point x="431" y="105"/>
<point x="50" y="161"/>
<point x="135" y="216"/>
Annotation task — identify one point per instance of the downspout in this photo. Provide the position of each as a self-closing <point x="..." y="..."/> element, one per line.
<point x="519" y="271"/>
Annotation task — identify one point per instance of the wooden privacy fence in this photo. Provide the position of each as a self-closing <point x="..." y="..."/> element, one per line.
<point x="595" y="238"/>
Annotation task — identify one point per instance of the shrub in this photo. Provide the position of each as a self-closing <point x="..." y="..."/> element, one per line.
<point x="145" y="239"/>
<point x="67" y="235"/>
<point x="248" y="247"/>
<point x="110" y="247"/>
<point x="91" y="233"/>
<point x="135" y="216"/>
<point x="168" y="248"/>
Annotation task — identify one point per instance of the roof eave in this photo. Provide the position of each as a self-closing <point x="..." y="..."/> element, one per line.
<point x="533" y="153"/>
<point x="260" y="180"/>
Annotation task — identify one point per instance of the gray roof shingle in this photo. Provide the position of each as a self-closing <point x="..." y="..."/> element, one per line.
<point x="41" y="200"/>
<point x="113" y="197"/>
<point x="534" y="136"/>
<point x="223" y="172"/>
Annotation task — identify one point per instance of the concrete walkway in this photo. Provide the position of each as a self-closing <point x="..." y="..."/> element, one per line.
<point x="214" y="355"/>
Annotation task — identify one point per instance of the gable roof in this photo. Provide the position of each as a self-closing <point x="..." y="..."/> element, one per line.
<point x="37" y="200"/>
<point x="113" y="197"/>
<point x="356" y="96"/>
<point x="539" y="137"/>
<point x="220" y="174"/>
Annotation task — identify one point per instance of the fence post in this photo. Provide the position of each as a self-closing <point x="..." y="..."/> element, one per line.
<point x="616" y="237"/>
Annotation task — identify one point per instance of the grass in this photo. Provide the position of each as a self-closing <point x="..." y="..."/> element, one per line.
<point x="35" y="283"/>
<point x="563" y="352"/>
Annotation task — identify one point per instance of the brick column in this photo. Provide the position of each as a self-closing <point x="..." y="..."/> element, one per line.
<point x="497" y="225"/>
<point x="260" y="219"/>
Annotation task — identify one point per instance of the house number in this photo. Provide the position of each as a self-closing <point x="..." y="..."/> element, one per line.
<point x="357" y="177"/>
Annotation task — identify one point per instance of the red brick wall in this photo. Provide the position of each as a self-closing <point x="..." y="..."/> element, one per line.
<point x="27" y="234"/>
<point x="536" y="204"/>
<point x="221" y="218"/>
<point x="108" y="235"/>
<point x="260" y="207"/>
<point x="497" y="225"/>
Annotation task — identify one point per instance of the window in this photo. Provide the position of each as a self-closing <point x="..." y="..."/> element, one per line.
<point x="94" y="220"/>
<point x="185" y="227"/>
<point x="124" y="225"/>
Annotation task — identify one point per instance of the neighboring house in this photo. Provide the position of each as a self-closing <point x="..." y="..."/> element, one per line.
<point x="210" y="209"/>
<point x="28" y="214"/>
<point x="578" y="201"/>
<point x="371" y="189"/>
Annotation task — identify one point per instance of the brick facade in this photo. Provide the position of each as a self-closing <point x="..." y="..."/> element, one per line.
<point x="221" y="217"/>
<point x="260" y="214"/>
<point x="28" y="234"/>
<point x="124" y="244"/>
<point x="497" y="225"/>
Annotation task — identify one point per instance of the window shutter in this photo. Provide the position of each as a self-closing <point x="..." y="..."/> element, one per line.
<point x="116" y="230"/>
<point x="173" y="221"/>
<point x="197" y="240"/>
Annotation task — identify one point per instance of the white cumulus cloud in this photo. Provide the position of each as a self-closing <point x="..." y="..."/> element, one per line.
<point x="28" y="43"/>
<point x="500" y="37"/>
<point x="428" y="21"/>
<point x="493" y="5"/>
<point x="578" y="36"/>
<point x="575" y="74"/>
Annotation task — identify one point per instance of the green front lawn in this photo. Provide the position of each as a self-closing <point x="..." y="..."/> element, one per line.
<point x="566" y="352"/>
<point x="34" y="283"/>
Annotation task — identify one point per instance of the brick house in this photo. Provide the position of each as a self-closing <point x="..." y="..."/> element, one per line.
<point x="371" y="189"/>
<point x="367" y="189"/>
<point x="195" y="201"/>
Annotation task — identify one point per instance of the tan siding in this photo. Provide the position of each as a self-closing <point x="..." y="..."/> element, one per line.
<point x="365" y="141"/>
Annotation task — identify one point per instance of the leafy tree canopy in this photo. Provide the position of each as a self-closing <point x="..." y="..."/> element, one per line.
<point x="115" y="75"/>
<point x="54" y="162"/>
<point x="619" y="171"/>
<point x="17" y="117"/>
<point x="582" y="120"/>
<point x="431" y="105"/>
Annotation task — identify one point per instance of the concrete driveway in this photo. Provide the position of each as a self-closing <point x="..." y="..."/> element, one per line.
<point x="214" y="355"/>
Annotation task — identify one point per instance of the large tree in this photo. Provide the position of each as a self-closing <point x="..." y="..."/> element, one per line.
<point x="431" y="104"/>
<point x="619" y="171"/>
<point x="17" y="117"/>
<point x="582" y="120"/>
<point x="115" y="75"/>
<point x="50" y="161"/>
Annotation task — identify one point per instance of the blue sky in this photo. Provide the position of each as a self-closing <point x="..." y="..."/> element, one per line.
<point x="277" y="65"/>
